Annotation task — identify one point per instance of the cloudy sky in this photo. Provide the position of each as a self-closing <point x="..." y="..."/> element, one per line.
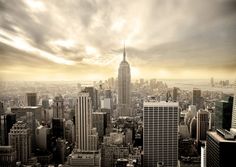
<point x="83" y="39"/>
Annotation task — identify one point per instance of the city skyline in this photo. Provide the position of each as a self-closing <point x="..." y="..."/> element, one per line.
<point x="164" y="39"/>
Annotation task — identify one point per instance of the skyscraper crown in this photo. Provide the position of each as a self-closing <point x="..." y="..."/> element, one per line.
<point x="124" y="53"/>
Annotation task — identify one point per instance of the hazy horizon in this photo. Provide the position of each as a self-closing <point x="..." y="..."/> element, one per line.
<point x="83" y="40"/>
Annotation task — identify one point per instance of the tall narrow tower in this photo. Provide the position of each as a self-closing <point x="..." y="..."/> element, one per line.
<point x="196" y="98"/>
<point x="124" y="78"/>
<point x="234" y="109"/>
<point x="86" y="137"/>
<point x="58" y="107"/>
<point x="202" y="125"/>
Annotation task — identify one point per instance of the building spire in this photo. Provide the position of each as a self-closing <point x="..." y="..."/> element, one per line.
<point x="124" y="53"/>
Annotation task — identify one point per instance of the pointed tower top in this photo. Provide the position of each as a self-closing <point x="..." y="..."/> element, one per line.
<point x="124" y="53"/>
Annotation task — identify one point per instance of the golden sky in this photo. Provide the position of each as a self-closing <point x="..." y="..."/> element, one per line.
<point x="83" y="39"/>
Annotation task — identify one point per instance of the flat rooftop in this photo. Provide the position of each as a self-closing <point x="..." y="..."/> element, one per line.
<point x="160" y="104"/>
<point x="219" y="138"/>
<point x="26" y="107"/>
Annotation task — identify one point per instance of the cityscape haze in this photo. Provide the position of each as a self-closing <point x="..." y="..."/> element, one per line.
<point x="102" y="83"/>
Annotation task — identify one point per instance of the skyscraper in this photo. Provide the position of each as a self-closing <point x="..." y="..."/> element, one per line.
<point x="20" y="140"/>
<point x="160" y="142"/>
<point x="234" y="109"/>
<point x="85" y="152"/>
<point x="124" y="78"/>
<point x="7" y="156"/>
<point x="31" y="114"/>
<point x="202" y="124"/>
<point x="223" y="113"/>
<point x="193" y="128"/>
<point x="58" y="127"/>
<point x="93" y="93"/>
<point x="175" y="94"/>
<point x="196" y="98"/>
<point x="100" y="122"/>
<point x="58" y="107"/>
<point x="1" y="108"/>
<point x="219" y="148"/>
<point x="86" y="140"/>
<point x="31" y="99"/>
<point x="6" y="123"/>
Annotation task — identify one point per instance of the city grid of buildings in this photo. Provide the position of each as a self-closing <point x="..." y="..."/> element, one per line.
<point x="117" y="123"/>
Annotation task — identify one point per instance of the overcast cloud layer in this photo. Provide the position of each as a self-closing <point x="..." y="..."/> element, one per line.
<point x="83" y="39"/>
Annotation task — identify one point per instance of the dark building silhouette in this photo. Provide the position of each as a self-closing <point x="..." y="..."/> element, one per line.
<point x="196" y="99"/>
<point x="121" y="162"/>
<point x="220" y="147"/>
<point x="7" y="156"/>
<point x="1" y="108"/>
<point x="193" y="128"/>
<point x="223" y="113"/>
<point x="58" y="128"/>
<point x="6" y="123"/>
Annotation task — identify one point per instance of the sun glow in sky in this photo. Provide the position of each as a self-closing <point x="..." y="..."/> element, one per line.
<point x="77" y="39"/>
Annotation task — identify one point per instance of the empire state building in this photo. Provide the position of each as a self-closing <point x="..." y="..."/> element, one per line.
<point x="124" y="87"/>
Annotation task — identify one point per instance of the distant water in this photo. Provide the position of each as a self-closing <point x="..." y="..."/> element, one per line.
<point x="204" y="85"/>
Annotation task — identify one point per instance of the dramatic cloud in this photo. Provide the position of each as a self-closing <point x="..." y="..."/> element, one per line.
<point x="83" y="39"/>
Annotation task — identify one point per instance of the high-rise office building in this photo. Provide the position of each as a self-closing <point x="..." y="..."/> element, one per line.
<point x="86" y="140"/>
<point x="31" y="115"/>
<point x="45" y="103"/>
<point x="31" y="99"/>
<point x="7" y="156"/>
<point x="175" y="94"/>
<point x="6" y="123"/>
<point x="93" y="93"/>
<point x="58" y="107"/>
<point x="100" y="123"/>
<point x="3" y="130"/>
<point x="219" y="148"/>
<point x="70" y="131"/>
<point x="212" y="119"/>
<point x="202" y="124"/>
<point x="107" y="93"/>
<point x="233" y="125"/>
<point x="21" y="112"/>
<point x="110" y="153"/>
<point x="58" y="127"/>
<point x="85" y="152"/>
<point x="193" y="128"/>
<point x="108" y="124"/>
<point x="124" y="78"/>
<point x="196" y="99"/>
<point x="160" y="134"/>
<point x="1" y="108"/>
<point x="42" y="133"/>
<point x="20" y="140"/>
<point x="223" y="113"/>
